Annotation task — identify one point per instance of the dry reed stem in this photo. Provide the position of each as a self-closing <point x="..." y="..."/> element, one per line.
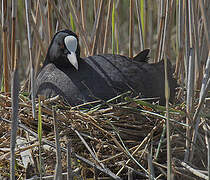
<point x="49" y="20"/>
<point x="96" y="30"/>
<point x="5" y="46"/>
<point x="141" y="39"/>
<point x="58" y="169"/>
<point x="107" y="29"/>
<point x="14" y="12"/>
<point x="206" y="23"/>
<point x="83" y="14"/>
<point x="69" y="159"/>
<point x="131" y="30"/>
<point x="160" y="32"/>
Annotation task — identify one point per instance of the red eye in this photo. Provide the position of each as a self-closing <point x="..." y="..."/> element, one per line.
<point x="62" y="46"/>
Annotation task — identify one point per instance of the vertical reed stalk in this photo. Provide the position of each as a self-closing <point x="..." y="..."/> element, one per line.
<point x="83" y="14"/>
<point x="14" y="14"/>
<point x="96" y="29"/>
<point x="49" y="18"/>
<point x="15" y="106"/>
<point x="40" y="137"/>
<point x="167" y="95"/>
<point x="131" y="30"/>
<point x="107" y="26"/>
<point x="190" y="81"/>
<point x="27" y="7"/>
<point x="83" y="34"/>
<point x="69" y="158"/>
<point x="58" y="170"/>
<point x="160" y="32"/>
<point x="167" y="44"/>
<point x="113" y="27"/>
<point x="165" y="29"/>
<point x="4" y="35"/>
<point x="206" y="23"/>
<point x="180" y="30"/>
<point x="203" y="93"/>
<point x="146" y="12"/>
<point x="141" y="38"/>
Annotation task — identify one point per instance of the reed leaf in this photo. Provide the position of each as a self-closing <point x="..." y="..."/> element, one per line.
<point x="72" y="23"/>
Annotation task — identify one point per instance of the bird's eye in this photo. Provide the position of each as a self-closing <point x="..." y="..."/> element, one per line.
<point x="61" y="46"/>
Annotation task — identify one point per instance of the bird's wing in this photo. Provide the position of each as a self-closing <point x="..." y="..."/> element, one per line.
<point x="142" y="56"/>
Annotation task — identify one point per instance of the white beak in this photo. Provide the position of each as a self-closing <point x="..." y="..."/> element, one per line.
<point x="73" y="59"/>
<point x="71" y="45"/>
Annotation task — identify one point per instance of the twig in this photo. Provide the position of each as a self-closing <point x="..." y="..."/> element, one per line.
<point x="192" y="170"/>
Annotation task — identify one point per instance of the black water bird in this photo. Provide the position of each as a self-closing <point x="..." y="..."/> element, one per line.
<point x="103" y="76"/>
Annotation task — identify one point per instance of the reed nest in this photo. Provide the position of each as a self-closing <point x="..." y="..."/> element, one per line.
<point x="120" y="136"/>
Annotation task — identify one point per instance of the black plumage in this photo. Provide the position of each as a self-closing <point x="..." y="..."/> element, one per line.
<point x="100" y="76"/>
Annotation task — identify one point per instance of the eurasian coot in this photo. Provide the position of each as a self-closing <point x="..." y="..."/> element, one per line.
<point x="103" y="76"/>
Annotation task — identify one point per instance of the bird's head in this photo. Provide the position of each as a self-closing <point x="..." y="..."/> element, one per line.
<point x="64" y="50"/>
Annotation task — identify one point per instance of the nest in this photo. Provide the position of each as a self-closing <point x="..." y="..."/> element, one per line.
<point x="107" y="139"/>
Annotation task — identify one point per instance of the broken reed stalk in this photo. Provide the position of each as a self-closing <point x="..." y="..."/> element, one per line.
<point x="27" y="8"/>
<point x="131" y="30"/>
<point x="141" y="38"/>
<point x="5" y="46"/>
<point x="14" y="14"/>
<point x="58" y="168"/>
<point x="15" y="107"/>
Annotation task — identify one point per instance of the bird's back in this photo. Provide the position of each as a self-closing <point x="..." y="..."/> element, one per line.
<point x="103" y="77"/>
